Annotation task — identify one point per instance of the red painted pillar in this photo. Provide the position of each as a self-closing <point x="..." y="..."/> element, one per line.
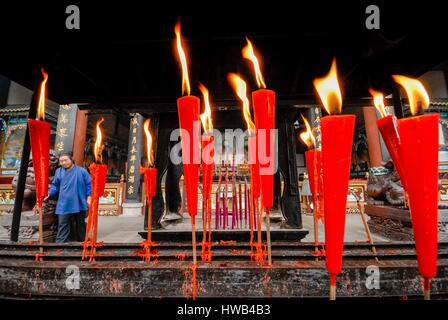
<point x="373" y="136"/>
<point x="79" y="139"/>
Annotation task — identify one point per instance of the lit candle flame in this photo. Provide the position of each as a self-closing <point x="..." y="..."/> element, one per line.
<point x="41" y="105"/>
<point x="149" y="155"/>
<point x="249" y="53"/>
<point x="417" y="95"/>
<point x="378" y="101"/>
<point x="98" y="148"/>
<point x="183" y="61"/>
<point x="329" y="92"/>
<point x="206" y="117"/>
<point x="240" y="88"/>
<point x="308" y="136"/>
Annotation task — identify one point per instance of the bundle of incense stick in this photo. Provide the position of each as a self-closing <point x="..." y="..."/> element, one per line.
<point x="234" y="204"/>
<point x="225" y="204"/>
<point x="241" y="206"/>
<point x="218" y="200"/>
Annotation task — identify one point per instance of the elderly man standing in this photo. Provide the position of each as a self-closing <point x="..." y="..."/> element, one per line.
<point x="73" y="187"/>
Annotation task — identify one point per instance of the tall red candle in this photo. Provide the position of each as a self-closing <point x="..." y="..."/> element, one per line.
<point x="188" y="111"/>
<point x="337" y="141"/>
<point x="207" y="179"/>
<point x="207" y="164"/>
<point x="39" y="131"/>
<point x="419" y="150"/>
<point x="419" y="154"/>
<point x="98" y="174"/>
<point x="314" y="165"/>
<point x="150" y="177"/>
<point x="388" y="127"/>
<point x="40" y="147"/>
<point x="264" y="112"/>
<point x="254" y="167"/>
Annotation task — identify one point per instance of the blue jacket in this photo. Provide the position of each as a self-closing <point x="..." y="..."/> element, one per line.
<point x="73" y="187"/>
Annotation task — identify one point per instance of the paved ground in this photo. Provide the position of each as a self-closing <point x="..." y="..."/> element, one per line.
<point x="125" y="229"/>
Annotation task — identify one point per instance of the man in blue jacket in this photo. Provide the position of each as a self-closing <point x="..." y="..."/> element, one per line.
<point x="73" y="187"/>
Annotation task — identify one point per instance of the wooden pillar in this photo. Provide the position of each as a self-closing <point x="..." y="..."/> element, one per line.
<point x="373" y="136"/>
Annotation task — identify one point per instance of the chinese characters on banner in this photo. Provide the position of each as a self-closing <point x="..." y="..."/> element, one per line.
<point x="65" y="131"/>
<point x="134" y="158"/>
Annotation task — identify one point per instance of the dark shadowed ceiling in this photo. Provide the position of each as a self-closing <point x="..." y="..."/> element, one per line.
<point x="123" y="54"/>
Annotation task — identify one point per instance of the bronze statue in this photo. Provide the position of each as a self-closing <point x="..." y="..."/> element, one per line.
<point x="384" y="186"/>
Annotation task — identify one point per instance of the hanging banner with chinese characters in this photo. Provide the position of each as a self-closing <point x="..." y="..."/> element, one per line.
<point x="65" y="131"/>
<point x="134" y="158"/>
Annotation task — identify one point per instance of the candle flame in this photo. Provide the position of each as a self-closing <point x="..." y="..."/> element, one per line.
<point x="416" y="92"/>
<point x="183" y="61"/>
<point x="329" y="92"/>
<point x="249" y="53"/>
<point x="206" y="117"/>
<point x="378" y="101"/>
<point x="41" y="105"/>
<point x="149" y="154"/>
<point x="98" y="147"/>
<point x="308" y="136"/>
<point x="240" y="88"/>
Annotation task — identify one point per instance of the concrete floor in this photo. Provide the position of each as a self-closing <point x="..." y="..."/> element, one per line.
<point x="125" y="229"/>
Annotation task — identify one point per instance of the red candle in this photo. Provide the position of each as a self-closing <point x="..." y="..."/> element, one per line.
<point x="39" y="131"/>
<point x="254" y="167"/>
<point x="150" y="176"/>
<point x="314" y="165"/>
<point x="389" y="131"/>
<point x="264" y="111"/>
<point x="40" y="147"/>
<point x="419" y="150"/>
<point x="207" y="179"/>
<point x="207" y="164"/>
<point x="188" y="110"/>
<point x="337" y="140"/>
<point x="98" y="174"/>
<point x="419" y="154"/>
